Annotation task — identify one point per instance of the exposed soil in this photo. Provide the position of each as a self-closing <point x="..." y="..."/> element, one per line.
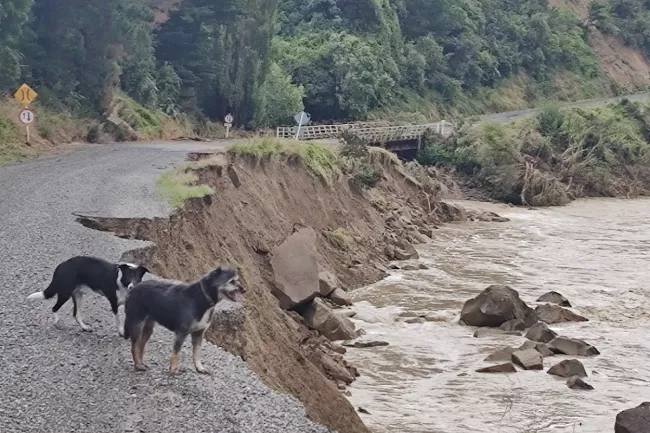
<point x="256" y="206"/>
<point x="626" y="66"/>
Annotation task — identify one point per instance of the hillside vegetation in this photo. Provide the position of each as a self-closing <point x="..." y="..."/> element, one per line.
<point x="553" y="158"/>
<point x="341" y="59"/>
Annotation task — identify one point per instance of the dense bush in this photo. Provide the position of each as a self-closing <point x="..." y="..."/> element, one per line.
<point x="558" y="155"/>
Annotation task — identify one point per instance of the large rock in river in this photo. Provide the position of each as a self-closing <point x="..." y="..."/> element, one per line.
<point x="494" y="306"/>
<point x="572" y="347"/>
<point x="554" y="298"/>
<point x="333" y="326"/>
<point x="555" y="314"/>
<point x="504" y="354"/>
<point x="635" y="420"/>
<point x="295" y="269"/>
<point x="501" y="368"/>
<point x="528" y="359"/>
<point x="568" y="368"/>
<point x="541" y="333"/>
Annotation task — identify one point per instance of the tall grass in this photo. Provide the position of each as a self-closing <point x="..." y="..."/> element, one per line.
<point x="318" y="159"/>
<point x="178" y="185"/>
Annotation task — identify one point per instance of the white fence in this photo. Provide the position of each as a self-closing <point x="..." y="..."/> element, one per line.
<point x="374" y="134"/>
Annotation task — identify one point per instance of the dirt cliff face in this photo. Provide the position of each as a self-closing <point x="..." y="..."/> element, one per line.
<point x="258" y="204"/>
<point x="626" y="66"/>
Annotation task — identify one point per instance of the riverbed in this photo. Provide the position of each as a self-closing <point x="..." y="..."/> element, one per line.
<point x="595" y="252"/>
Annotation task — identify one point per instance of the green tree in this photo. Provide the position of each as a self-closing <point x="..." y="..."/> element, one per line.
<point x="279" y="99"/>
<point x="14" y="14"/>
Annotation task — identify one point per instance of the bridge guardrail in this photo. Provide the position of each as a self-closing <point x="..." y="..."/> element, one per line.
<point x="378" y="134"/>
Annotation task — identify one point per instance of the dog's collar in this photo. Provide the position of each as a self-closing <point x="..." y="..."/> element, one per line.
<point x="207" y="297"/>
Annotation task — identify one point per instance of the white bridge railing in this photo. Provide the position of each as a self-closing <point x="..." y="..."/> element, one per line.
<point x="373" y="134"/>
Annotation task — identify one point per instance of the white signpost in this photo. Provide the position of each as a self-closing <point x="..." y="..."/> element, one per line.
<point x="26" y="117"/>
<point x="301" y="118"/>
<point x="228" y="123"/>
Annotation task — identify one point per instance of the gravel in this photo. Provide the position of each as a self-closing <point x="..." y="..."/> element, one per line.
<point x="64" y="380"/>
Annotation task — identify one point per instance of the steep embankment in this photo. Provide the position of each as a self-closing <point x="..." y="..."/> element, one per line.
<point x="626" y="66"/>
<point x="258" y="203"/>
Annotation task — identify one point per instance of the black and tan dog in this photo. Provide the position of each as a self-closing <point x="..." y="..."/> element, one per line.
<point x="184" y="309"/>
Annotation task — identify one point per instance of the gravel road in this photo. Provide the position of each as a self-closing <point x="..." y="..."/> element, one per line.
<point x="65" y="380"/>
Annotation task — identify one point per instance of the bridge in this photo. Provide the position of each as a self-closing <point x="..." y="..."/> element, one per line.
<point x="401" y="138"/>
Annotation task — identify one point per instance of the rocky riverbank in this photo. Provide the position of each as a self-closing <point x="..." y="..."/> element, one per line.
<point x="301" y="243"/>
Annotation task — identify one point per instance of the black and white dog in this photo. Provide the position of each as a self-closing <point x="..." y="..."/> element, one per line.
<point x="84" y="274"/>
<point x="184" y="309"/>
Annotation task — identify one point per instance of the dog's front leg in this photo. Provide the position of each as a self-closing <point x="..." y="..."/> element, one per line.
<point x="115" y="308"/>
<point x="197" y="339"/>
<point x="174" y="364"/>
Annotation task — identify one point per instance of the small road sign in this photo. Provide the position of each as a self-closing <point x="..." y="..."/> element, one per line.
<point x="228" y="123"/>
<point x="302" y="118"/>
<point x="26" y="117"/>
<point x="25" y="95"/>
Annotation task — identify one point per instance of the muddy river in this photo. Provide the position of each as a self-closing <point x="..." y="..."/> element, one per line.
<point x="595" y="252"/>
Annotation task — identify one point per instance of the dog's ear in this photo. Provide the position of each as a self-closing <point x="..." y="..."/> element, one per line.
<point x="218" y="276"/>
<point x="142" y="270"/>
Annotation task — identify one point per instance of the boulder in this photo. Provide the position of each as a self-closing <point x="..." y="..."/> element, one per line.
<point x="540" y="347"/>
<point x="405" y="251"/>
<point x="635" y="420"/>
<point x="321" y="318"/>
<point x="494" y="306"/>
<point x="295" y="269"/>
<point x="501" y="368"/>
<point x="327" y="282"/>
<point x="365" y="344"/>
<point x="426" y="231"/>
<point x="555" y="314"/>
<point x="554" y="298"/>
<point x="513" y="325"/>
<point x="504" y="354"/>
<point x="568" y="368"/>
<point x="488" y="217"/>
<point x="335" y="370"/>
<point x="572" y="347"/>
<point x="528" y="359"/>
<point x="575" y="382"/>
<point x="419" y="237"/>
<point x="540" y="332"/>
<point x="346" y="313"/>
<point x="414" y="320"/>
<point x="339" y="297"/>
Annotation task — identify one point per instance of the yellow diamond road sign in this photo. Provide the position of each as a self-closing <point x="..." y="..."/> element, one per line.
<point x="25" y="95"/>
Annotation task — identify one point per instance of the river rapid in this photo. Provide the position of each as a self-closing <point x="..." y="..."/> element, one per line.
<point x="595" y="252"/>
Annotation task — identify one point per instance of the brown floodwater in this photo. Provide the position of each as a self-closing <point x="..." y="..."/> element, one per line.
<point x="594" y="252"/>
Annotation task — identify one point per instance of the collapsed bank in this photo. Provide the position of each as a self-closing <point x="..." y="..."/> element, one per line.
<point x="302" y="234"/>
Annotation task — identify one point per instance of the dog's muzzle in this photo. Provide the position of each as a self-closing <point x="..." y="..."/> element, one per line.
<point x="235" y="295"/>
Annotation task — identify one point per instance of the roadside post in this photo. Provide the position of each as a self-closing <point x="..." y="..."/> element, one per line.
<point x="228" y="123"/>
<point x="25" y="95"/>
<point x="301" y="119"/>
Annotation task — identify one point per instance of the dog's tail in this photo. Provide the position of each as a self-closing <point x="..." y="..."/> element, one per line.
<point x="42" y="295"/>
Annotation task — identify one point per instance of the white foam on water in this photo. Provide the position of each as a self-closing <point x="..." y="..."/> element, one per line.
<point x="595" y="252"/>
